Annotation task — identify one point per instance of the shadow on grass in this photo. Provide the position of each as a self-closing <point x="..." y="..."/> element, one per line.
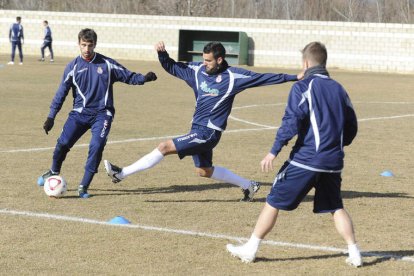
<point x="383" y="256"/>
<point x="379" y="257"/>
<point x="119" y="189"/>
<point x="317" y="257"/>
<point x="168" y="190"/>
<point x="356" y="194"/>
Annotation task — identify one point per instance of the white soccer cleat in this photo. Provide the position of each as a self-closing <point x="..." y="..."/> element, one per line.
<point x="10" y="63"/>
<point x="251" y="191"/>
<point x="113" y="172"/>
<point x="354" y="261"/>
<point x="21" y="63"/>
<point x="241" y="252"/>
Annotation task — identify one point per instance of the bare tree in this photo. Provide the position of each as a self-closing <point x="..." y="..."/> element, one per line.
<point x="404" y="7"/>
<point x="393" y="11"/>
<point x="380" y="9"/>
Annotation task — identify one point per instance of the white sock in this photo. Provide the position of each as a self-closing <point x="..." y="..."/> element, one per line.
<point x="146" y="162"/>
<point x="228" y="176"/>
<point x="353" y="250"/>
<point x="253" y="243"/>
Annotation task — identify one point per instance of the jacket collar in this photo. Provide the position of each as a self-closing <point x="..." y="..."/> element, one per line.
<point x="318" y="69"/>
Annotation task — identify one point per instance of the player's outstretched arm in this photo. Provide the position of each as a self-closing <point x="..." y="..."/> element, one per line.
<point x="160" y="47"/>
<point x="177" y="69"/>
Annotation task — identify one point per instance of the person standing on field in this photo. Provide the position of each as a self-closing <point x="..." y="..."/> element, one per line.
<point x="90" y="76"/>
<point x="320" y="113"/>
<point x="215" y="84"/>
<point x="47" y="42"/>
<point x="16" y="37"/>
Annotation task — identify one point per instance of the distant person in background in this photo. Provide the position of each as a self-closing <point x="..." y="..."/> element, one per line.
<point x="90" y="77"/>
<point x="16" y="38"/>
<point x="47" y="42"/>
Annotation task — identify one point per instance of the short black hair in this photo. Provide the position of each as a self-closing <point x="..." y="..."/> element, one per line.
<point x="88" y="35"/>
<point x="316" y="52"/>
<point x="46" y="22"/>
<point x="18" y="18"/>
<point x="216" y="48"/>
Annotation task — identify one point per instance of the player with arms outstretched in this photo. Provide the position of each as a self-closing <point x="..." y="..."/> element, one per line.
<point x="215" y="85"/>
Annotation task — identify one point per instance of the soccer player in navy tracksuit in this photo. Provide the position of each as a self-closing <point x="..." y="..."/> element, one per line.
<point x="16" y="37"/>
<point x="215" y="84"/>
<point x="47" y="42"/>
<point x="320" y="113"/>
<point x="91" y="77"/>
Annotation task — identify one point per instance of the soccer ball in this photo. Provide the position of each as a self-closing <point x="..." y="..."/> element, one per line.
<point x="55" y="186"/>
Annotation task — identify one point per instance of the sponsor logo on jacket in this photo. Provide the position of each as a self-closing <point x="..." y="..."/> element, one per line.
<point x="208" y="91"/>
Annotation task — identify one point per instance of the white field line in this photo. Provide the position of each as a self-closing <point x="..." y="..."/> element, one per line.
<point x="198" y="234"/>
<point x="257" y="105"/>
<point x="262" y="127"/>
<point x="386" y="118"/>
<point x="382" y="102"/>
<point x="250" y="123"/>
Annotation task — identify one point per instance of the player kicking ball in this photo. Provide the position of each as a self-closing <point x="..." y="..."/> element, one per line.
<point x="91" y="77"/>
<point x="215" y="85"/>
<point x="320" y="113"/>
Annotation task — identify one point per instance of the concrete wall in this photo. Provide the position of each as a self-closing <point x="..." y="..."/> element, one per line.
<point x="274" y="43"/>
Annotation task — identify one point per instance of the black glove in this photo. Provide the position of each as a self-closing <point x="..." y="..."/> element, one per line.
<point x="150" y="76"/>
<point x="47" y="126"/>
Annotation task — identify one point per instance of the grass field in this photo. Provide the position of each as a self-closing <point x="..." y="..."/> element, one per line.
<point x="180" y="223"/>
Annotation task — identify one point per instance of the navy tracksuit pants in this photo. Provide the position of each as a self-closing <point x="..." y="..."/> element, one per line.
<point x="17" y="44"/>
<point x="46" y="44"/>
<point x="76" y="125"/>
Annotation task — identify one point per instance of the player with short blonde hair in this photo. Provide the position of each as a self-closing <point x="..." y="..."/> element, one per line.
<point x="319" y="112"/>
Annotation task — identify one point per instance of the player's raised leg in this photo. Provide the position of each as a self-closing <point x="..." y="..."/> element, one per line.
<point x="249" y="187"/>
<point x="203" y="161"/>
<point x="146" y="162"/>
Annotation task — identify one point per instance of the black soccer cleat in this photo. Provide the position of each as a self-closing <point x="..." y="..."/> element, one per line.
<point x="113" y="171"/>
<point x="251" y="191"/>
<point x="41" y="180"/>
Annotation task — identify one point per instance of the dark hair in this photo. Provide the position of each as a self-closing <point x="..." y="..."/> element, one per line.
<point x="316" y="52"/>
<point x="46" y="22"/>
<point x="18" y="18"/>
<point x="216" y="48"/>
<point x="88" y="35"/>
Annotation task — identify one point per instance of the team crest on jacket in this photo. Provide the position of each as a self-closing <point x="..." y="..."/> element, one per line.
<point x="99" y="70"/>
<point x="219" y="78"/>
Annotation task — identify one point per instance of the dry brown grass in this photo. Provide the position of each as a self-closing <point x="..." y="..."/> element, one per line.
<point x="171" y="196"/>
